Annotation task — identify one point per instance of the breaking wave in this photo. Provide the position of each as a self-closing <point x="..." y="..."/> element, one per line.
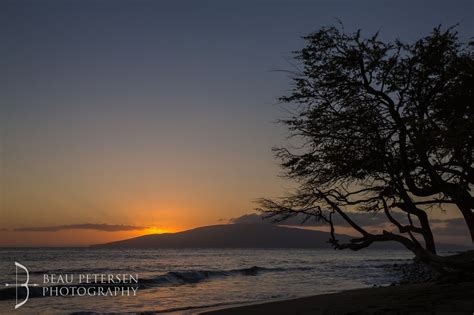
<point x="194" y="276"/>
<point x="169" y="278"/>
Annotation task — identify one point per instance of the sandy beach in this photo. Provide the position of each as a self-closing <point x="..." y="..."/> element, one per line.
<point x="414" y="298"/>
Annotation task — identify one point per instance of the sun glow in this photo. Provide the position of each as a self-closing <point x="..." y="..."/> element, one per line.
<point x="156" y="230"/>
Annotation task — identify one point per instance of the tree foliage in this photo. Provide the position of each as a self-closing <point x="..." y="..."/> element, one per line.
<point x="381" y="127"/>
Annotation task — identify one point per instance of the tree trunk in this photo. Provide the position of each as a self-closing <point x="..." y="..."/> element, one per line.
<point x="468" y="217"/>
<point x="427" y="234"/>
<point x="463" y="201"/>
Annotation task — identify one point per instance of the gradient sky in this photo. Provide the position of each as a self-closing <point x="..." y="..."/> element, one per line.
<point x="157" y="114"/>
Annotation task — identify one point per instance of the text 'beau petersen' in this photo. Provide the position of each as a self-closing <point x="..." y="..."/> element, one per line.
<point x="90" y="278"/>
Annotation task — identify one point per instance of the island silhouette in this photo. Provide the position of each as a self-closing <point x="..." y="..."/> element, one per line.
<point x="244" y="235"/>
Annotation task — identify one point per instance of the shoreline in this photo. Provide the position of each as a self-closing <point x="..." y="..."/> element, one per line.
<point x="409" y="298"/>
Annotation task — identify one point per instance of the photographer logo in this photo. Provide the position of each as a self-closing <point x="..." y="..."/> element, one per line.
<point x="17" y="285"/>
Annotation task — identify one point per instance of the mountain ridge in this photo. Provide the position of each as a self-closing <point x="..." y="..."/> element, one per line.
<point x="238" y="235"/>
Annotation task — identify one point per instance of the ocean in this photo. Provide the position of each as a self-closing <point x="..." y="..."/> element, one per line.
<point x="186" y="280"/>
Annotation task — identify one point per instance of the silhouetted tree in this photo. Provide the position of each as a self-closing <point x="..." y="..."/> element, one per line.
<point x="380" y="127"/>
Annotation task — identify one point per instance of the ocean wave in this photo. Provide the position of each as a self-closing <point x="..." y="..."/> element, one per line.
<point x="170" y="278"/>
<point x="194" y="276"/>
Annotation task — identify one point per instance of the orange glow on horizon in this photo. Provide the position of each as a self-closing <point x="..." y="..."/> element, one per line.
<point x="74" y="237"/>
<point x="156" y="230"/>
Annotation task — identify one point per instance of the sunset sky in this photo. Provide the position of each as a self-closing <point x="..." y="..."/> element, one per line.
<point x="122" y="118"/>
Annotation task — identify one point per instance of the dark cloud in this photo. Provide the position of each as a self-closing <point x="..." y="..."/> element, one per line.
<point x="85" y="226"/>
<point x="447" y="227"/>
<point x="361" y="218"/>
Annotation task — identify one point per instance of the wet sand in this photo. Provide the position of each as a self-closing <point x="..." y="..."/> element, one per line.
<point x="413" y="298"/>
